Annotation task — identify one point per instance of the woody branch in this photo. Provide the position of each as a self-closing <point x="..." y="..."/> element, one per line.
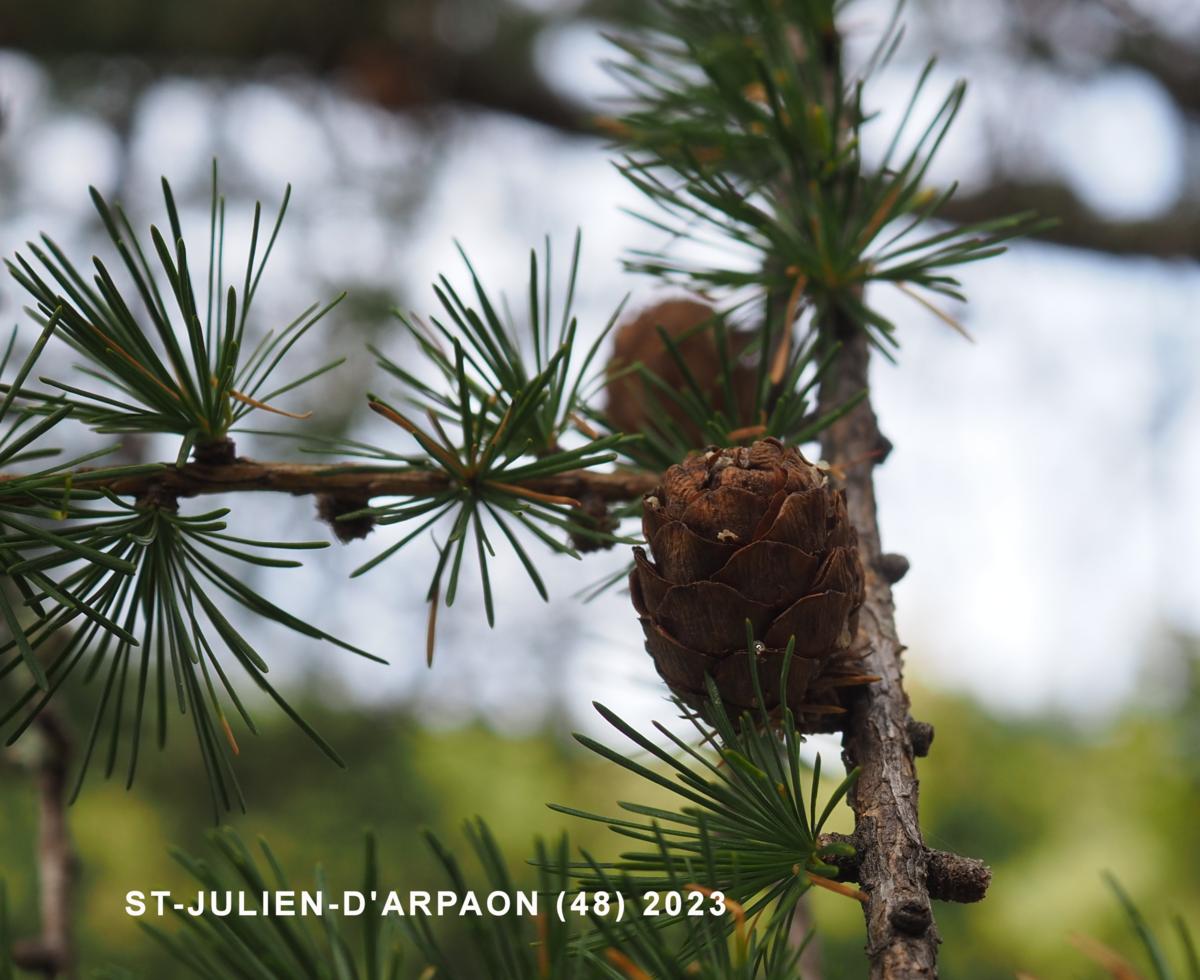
<point x="893" y="864"/>
<point x="341" y="479"/>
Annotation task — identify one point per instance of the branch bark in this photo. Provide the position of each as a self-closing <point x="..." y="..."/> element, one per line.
<point x="52" y="953"/>
<point x="344" y="480"/>
<point x="951" y="877"/>
<point x="893" y="861"/>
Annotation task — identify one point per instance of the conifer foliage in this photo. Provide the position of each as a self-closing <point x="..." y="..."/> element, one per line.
<point x="742" y="130"/>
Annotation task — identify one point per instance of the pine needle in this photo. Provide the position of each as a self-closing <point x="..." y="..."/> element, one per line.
<point x="941" y="314"/>
<point x="1117" y="966"/>
<point x="839" y="887"/>
<point x="255" y="403"/>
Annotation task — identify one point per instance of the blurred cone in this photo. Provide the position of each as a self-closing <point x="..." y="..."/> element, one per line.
<point x="632" y="405"/>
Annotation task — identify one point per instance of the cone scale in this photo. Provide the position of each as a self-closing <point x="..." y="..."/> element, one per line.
<point x="751" y="533"/>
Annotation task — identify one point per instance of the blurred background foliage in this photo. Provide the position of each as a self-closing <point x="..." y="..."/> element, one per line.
<point x="1053" y="590"/>
<point x="1048" y="804"/>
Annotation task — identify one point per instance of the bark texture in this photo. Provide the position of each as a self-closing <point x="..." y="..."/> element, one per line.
<point x="950" y="877"/>
<point x="902" y="939"/>
<point x="345" y="481"/>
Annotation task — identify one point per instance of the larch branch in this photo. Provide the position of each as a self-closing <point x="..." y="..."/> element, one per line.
<point x="951" y="877"/>
<point x="902" y="939"/>
<point x="344" y="480"/>
<point x="893" y="861"/>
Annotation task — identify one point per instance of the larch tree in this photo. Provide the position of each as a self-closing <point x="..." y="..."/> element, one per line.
<point x="758" y="576"/>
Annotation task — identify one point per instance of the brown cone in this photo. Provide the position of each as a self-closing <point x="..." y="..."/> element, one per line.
<point x="631" y="406"/>
<point x="751" y="533"/>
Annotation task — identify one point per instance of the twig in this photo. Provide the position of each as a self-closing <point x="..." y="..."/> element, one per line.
<point x="345" y="480"/>
<point x="52" y="953"/>
<point x="893" y="861"/>
<point x="951" y="877"/>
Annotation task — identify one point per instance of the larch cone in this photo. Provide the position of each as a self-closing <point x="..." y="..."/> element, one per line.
<point x="632" y="407"/>
<point x="751" y="533"/>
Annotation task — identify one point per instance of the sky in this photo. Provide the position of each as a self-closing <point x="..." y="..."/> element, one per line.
<point x="1041" y="481"/>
